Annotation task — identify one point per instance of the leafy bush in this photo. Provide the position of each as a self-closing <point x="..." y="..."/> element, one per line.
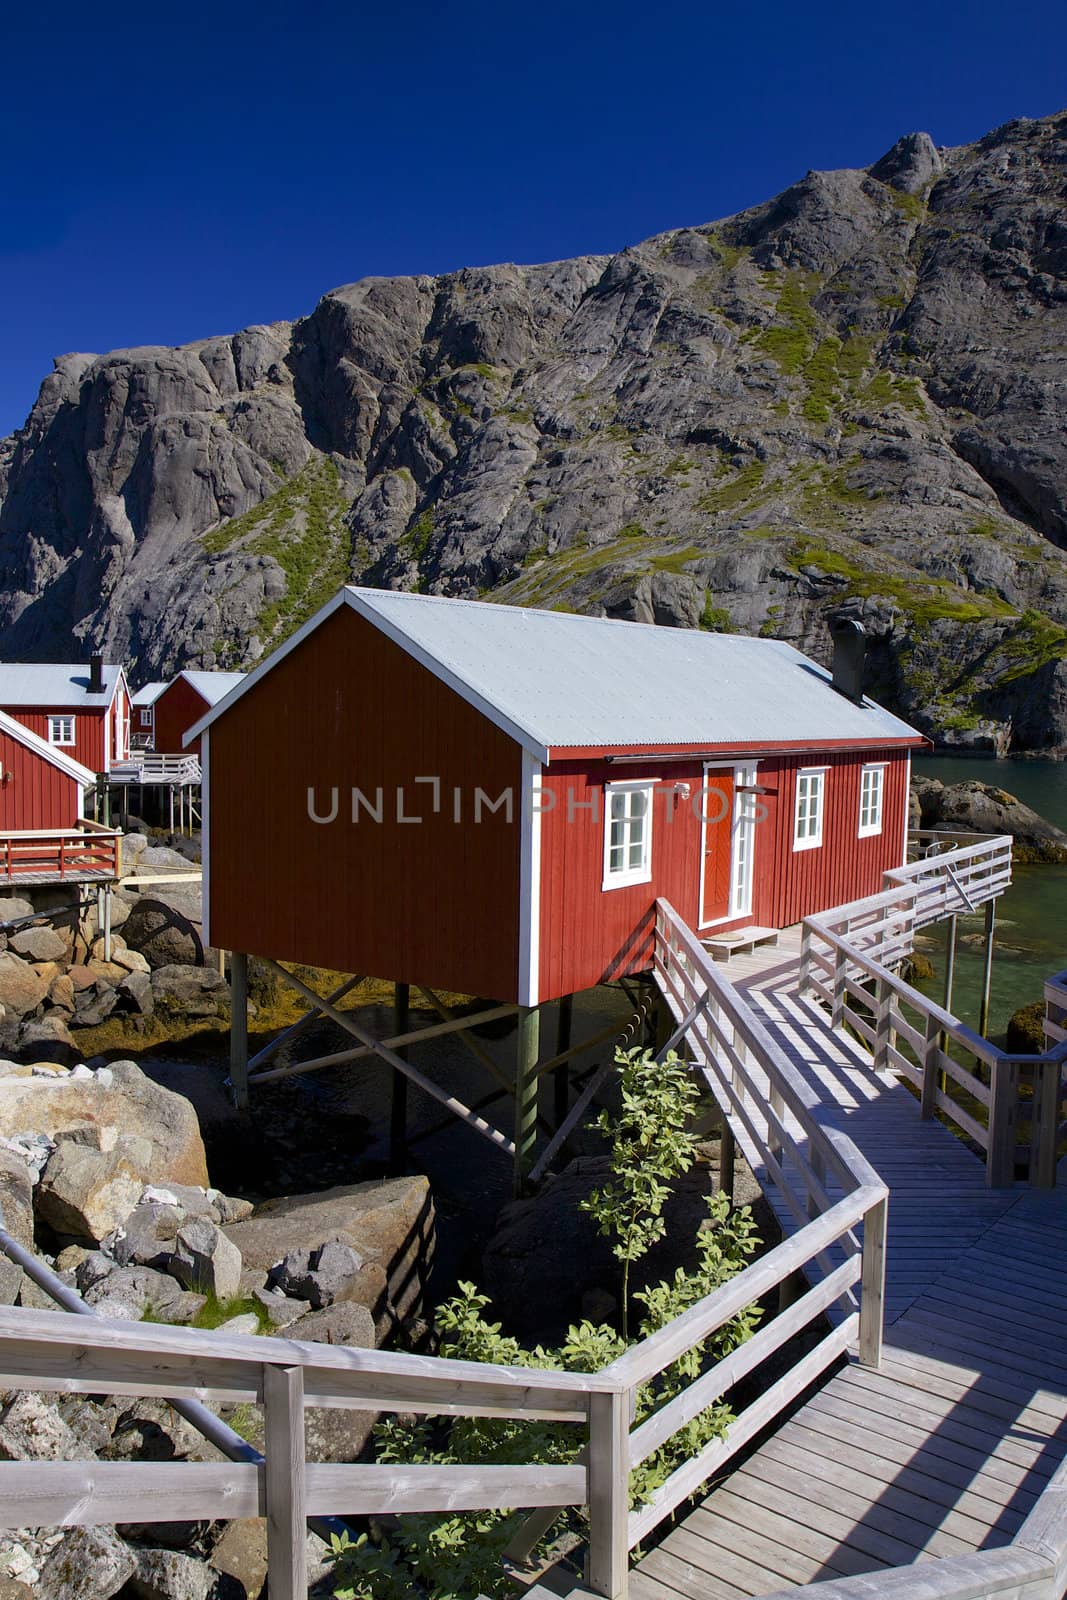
<point x="452" y="1557"/>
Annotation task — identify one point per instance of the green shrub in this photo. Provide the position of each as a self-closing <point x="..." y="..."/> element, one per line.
<point x="452" y="1557"/>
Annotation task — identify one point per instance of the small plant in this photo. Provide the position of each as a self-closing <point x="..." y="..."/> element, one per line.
<point x="454" y="1556"/>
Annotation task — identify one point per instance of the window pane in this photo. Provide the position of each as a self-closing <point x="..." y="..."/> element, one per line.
<point x="618" y="804"/>
<point x="615" y="858"/>
<point x="638" y="803"/>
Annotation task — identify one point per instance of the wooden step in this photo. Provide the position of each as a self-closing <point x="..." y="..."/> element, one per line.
<point x="724" y="945"/>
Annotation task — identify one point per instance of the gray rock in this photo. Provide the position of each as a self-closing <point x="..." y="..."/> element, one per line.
<point x="146" y="1236"/>
<point x="149" y="1430"/>
<point x="281" y="1308"/>
<point x="975" y="807"/>
<point x="134" y="1292"/>
<point x="32" y="1429"/>
<point x="135" y="993"/>
<point x="89" y="1564"/>
<point x="171" y="1575"/>
<point x="320" y="1276"/>
<point x="205" y="1260"/>
<point x="12" y="908"/>
<point x="40" y="943"/>
<point x="48" y="1039"/>
<point x="94" y="1008"/>
<point x="334" y="1435"/>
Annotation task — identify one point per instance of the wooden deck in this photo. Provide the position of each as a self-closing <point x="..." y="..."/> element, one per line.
<point x="944" y="1450"/>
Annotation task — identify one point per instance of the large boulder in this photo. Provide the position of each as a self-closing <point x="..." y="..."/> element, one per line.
<point x="164" y="935"/>
<point x="124" y="1100"/>
<point x="22" y="989"/>
<point x="86" y="1189"/>
<point x="33" y="1429"/>
<point x="388" y="1223"/>
<point x="40" y="943"/>
<point x="171" y="1575"/>
<point x="190" y="991"/>
<point x="206" y="1260"/>
<point x="974" y="807"/>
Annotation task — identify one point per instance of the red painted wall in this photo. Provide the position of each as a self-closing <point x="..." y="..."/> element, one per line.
<point x="34" y="793"/>
<point x="589" y="935"/>
<point x="431" y="902"/>
<point x="177" y="708"/>
<point x="90" y="728"/>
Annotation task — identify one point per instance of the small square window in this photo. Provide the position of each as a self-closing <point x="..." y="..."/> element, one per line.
<point x="61" y="730"/>
<point x="807" y="830"/>
<point x="628" y="834"/>
<point x="872" y="782"/>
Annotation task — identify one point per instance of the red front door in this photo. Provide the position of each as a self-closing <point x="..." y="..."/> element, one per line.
<point x="717" y="827"/>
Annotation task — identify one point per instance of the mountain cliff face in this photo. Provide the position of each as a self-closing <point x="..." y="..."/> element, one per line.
<point x="850" y="400"/>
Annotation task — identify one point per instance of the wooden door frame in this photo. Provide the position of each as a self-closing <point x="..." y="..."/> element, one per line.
<point x="749" y="763"/>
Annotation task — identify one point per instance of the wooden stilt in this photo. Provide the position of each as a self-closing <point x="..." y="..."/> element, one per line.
<point x="987" y="970"/>
<point x="527" y="1044"/>
<point x="239" y="1028"/>
<point x="561" y="1075"/>
<point x="398" y="1104"/>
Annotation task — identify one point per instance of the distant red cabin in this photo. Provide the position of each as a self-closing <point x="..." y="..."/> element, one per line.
<point x="491" y="799"/>
<point x="177" y="705"/>
<point x="82" y="711"/>
<point x="40" y="787"/>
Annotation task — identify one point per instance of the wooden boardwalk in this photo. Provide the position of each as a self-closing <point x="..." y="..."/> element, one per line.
<point x="944" y="1450"/>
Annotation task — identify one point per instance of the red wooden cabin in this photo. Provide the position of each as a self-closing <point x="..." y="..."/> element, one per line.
<point x="40" y="787"/>
<point x="182" y="702"/>
<point x="83" y="711"/>
<point x="490" y="799"/>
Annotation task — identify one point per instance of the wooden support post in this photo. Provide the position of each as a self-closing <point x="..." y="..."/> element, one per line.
<point x="239" y="1028"/>
<point x="609" y="1498"/>
<point x="987" y="969"/>
<point x="1003" y="1102"/>
<point x="107" y="922"/>
<point x="398" y="1103"/>
<point x="727" y="1149"/>
<point x="561" y="1075"/>
<point x="883" y="1023"/>
<point x="872" y="1284"/>
<point x="527" y="1045"/>
<point x="804" y="973"/>
<point x="283" y="1396"/>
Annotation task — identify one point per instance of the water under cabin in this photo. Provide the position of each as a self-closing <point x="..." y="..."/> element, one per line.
<point x="491" y="799"/>
<point x="183" y="701"/>
<point x="84" y="711"/>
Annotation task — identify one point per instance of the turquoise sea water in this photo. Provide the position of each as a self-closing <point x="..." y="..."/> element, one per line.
<point x="1031" y="938"/>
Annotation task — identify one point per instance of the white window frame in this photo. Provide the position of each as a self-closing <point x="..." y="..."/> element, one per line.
<point x="148" y="717"/>
<point x="867" y="830"/>
<point x="624" y="877"/>
<point x="814" y="840"/>
<point x="56" y="728"/>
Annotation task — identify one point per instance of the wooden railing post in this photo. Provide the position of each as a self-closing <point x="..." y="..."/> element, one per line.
<point x="1045" y="1124"/>
<point x="931" y="1047"/>
<point x="805" y="961"/>
<point x="837" y="1009"/>
<point x="1003" y="1098"/>
<point x="283" y="1398"/>
<point x="872" y="1283"/>
<point x="609" y="1497"/>
<point x="883" y="1024"/>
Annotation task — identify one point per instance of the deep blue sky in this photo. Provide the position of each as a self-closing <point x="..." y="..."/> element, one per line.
<point x="163" y="181"/>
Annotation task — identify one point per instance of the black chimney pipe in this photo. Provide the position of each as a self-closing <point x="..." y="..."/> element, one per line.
<point x="96" y="674"/>
<point x="850" y="654"/>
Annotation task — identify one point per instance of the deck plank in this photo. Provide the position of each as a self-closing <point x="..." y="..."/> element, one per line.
<point x="944" y="1449"/>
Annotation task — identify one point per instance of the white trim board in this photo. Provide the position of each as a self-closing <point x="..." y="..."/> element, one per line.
<point x="529" y="987"/>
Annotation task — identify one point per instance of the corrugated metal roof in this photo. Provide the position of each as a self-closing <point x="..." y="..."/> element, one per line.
<point x="48" y="752"/>
<point x="50" y="684"/>
<point x="213" y="685"/>
<point x="565" y="679"/>
<point x="149" y="694"/>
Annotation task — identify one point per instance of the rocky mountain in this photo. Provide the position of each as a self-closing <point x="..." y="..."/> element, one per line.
<point x="848" y="400"/>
